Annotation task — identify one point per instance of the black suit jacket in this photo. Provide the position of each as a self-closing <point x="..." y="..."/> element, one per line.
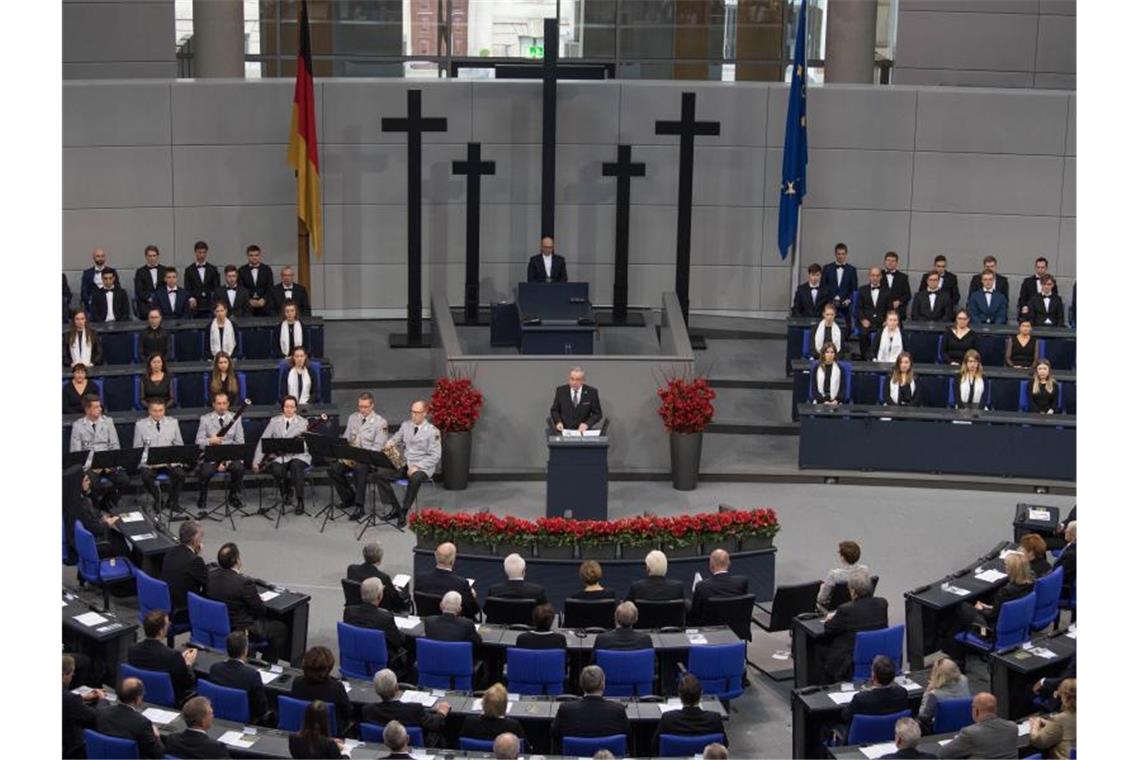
<point x="1055" y="313"/>
<point x="184" y="571"/>
<point x="867" y="613"/>
<point x="910" y="754"/>
<point x="152" y="654"/>
<point x="145" y="287"/>
<point x="721" y="584"/>
<point x="876" y="701"/>
<point x="802" y="305"/>
<point x="623" y="640"/>
<point x="1067" y="560"/>
<point x="235" y="674"/>
<point x="201" y="289"/>
<point x="943" y="310"/>
<point x="240" y="307"/>
<point x="520" y="589"/>
<point x="366" y="615"/>
<point x="486" y="728"/>
<point x="1001" y="284"/>
<point x="77" y="715"/>
<point x="590" y="716"/>
<point x="589" y="409"/>
<point x="239" y="592"/>
<point x="876" y="314"/>
<point x="325" y="748"/>
<point x="160" y="300"/>
<point x="121" y="305"/>
<point x="846" y="289"/>
<point x="452" y="628"/>
<point x="260" y="286"/>
<point x="949" y="287"/>
<point x="899" y="290"/>
<point x="655" y="588"/>
<point x="300" y="297"/>
<point x="536" y="270"/>
<point x="125" y="722"/>
<point x="194" y="744"/>
<point x="393" y="599"/>
<point x="536" y="640"/>
<point x="89" y="283"/>
<point x="331" y="691"/>
<point x="436" y="581"/>
<point x="408" y="713"/>
<point x="1027" y="291"/>
<point x="689" y="721"/>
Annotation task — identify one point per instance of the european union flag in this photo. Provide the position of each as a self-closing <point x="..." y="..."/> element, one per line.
<point x="793" y="187"/>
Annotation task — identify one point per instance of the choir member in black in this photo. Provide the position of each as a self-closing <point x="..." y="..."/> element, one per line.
<point x="76" y="388"/>
<point x="843" y="279"/>
<point x="873" y="304"/>
<point x="157" y="383"/>
<point x="1021" y="349"/>
<point x="1044" y="392"/>
<point x="827" y="330"/>
<point x="1046" y="308"/>
<point x="542" y="637"/>
<point x="148" y="279"/>
<point x="257" y="278"/>
<point x="828" y="384"/>
<point x="223" y="379"/>
<point x="81" y="344"/>
<point x="1001" y="282"/>
<point x="221" y="333"/>
<point x="812" y="295"/>
<point x="300" y="380"/>
<point x="171" y="300"/>
<point x="291" y="333"/>
<point x="898" y="284"/>
<point x="888" y="343"/>
<point x="947" y="280"/>
<point x="314" y="739"/>
<point x="969" y="388"/>
<point x="153" y="339"/>
<point x="80" y="506"/>
<point x="109" y="302"/>
<point x="1031" y="286"/>
<point x="233" y="293"/>
<point x="932" y="303"/>
<point x="66" y="299"/>
<point x="902" y="387"/>
<point x="201" y="279"/>
<point x="982" y="615"/>
<point x="288" y="290"/>
<point x="92" y="277"/>
<point x="590" y="573"/>
<point x="958" y="339"/>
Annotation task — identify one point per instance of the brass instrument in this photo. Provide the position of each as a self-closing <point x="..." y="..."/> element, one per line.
<point x="395" y="456"/>
<point x="353" y="443"/>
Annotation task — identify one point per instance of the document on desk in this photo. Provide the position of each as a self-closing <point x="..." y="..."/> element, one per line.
<point x="418" y="697"/>
<point x="159" y="716"/>
<point x="1072" y="634"/>
<point x="237" y="739"/>
<point x="1006" y="552"/>
<point x="131" y="517"/>
<point x="877" y="750"/>
<point x="990" y="576"/>
<point x="350" y="745"/>
<point x="670" y="705"/>
<point x="477" y="706"/>
<point x="842" y="697"/>
<point x="956" y="590"/>
<point x="908" y="684"/>
<point x="267" y="595"/>
<point x="267" y="676"/>
<point x="143" y="537"/>
<point x="1040" y="515"/>
<point x="407" y="623"/>
<point x="400" y="580"/>
<point x="567" y="433"/>
<point x="697" y="638"/>
<point x="1043" y="653"/>
<point x="90" y="619"/>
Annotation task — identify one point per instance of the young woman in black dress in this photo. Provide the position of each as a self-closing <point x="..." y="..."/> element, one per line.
<point x="156" y="382"/>
<point x="1021" y="349"/>
<point x="1044" y="391"/>
<point x="902" y="389"/>
<point x="958" y="339"/>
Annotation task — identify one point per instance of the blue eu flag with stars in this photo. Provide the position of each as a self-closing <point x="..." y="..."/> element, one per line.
<point x="793" y="186"/>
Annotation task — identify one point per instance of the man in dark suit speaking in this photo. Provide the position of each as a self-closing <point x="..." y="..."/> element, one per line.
<point x="576" y="406"/>
<point x="547" y="266"/>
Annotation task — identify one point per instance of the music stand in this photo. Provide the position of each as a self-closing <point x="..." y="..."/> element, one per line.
<point x="172" y="456"/>
<point x="73" y="458"/>
<point x="113" y="459"/>
<point x="377" y="460"/>
<point x="226" y="452"/>
<point x="278" y="447"/>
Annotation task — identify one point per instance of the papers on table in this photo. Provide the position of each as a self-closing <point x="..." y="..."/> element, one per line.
<point x="956" y="590"/>
<point x="944" y="742"/>
<point x="567" y="433"/>
<point x="477" y="705"/>
<point x="419" y="697"/>
<point x="267" y="595"/>
<point x="1041" y="515"/>
<point x="697" y="638"/>
<point x="842" y="697"/>
<point x="407" y="623"/>
<point x="82" y="691"/>
<point x="143" y="537"/>
<point x="990" y="576"/>
<point x="1072" y="634"/>
<point x="401" y="580"/>
<point x="162" y="717"/>
<point x="1042" y="652"/>
<point x="669" y="705"/>
<point x="90" y="619"/>
<point x="350" y="745"/>
<point x="131" y="517"/>
<point x="781" y="654"/>
<point x="1023" y="728"/>
<point x="908" y="684"/>
<point x="592" y="434"/>
<point x="347" y="685"/>
<point x="513" y="697"/>
<point x="237" y="739"/>
<point x="878" y="750"/>
<point x="696" y="579"/>
<point x="1006" y="552"/>
<point x="267" y="676"/>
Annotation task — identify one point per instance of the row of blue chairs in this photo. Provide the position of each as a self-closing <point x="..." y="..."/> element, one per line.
<point x="191" y="345"/>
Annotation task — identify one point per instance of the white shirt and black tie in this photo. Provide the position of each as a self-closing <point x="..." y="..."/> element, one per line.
<point x="154" y="277"/>
<point x="172" y="296"/>
<point x="231" y="294"/>
<point x="110" y="296"/>
<point x="548" y="262"/>
<point x="814" y="294"/>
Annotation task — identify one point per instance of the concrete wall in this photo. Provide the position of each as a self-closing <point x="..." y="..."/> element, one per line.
<point x="987" y="43"/>
<point x="118" y="39"/>
<point x="921" y="171"/>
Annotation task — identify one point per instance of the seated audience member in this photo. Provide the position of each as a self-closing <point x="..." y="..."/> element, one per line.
<point x="194" y="741"/>
<point x="232" y="293"/>
<point x="863" y="613"/>
<point x="234" y="673"/>
<point x="1045" y="690"/>
<point x="289" y="290"/>
<point x="493" y="721"/>
<point x="812" y="295"/>
<point x="590" y="573"/>
<point x="81" y="344"/>
<point x="591" y="716"/>
<point x="542" y="619"/>
<point x="958" y="339"/>
<point x="247" y="611"/>
<point x="888" y="343"/>
<point x="125" y="719"/>
<point x="715" y="751"/>
<point x="506" y="747"/>
<point x="1021" y="349"/>
<point x="983" y="615"/>
<point x="947" y="281"/>
<point x="690" y="720"/>
<point x="849" y="554"/>
<point x="988" y="306"/>
<point x="883" y="698"/>
<point x="1067" y="560"/>
<point x="258" y="280"/>
<point x="516" y="586"/>
<point x="1046" y="308"/>
<point x="394" y="599"/>
<point x="946" y="682"/>
<point x="932" y="303"/>
<point x="390" y="708"/>
<point x="1034" y="549"/>
<point x="1043" y="394"/>
<point x="223" y="379"/>
<point x="95" y="431"/>
<point x="148" y="280"/>
<point x="720" y="583"/>
<point x="873" y="305"/>
<point x="153" y="339"/>
<point x="1056" y="734"/>
<point x="655" y="586"/>
<point x="898" y="284"/>
<point x="313" y="740"/>
<point x="221" y="333"/>
<point x="443" y="578"/>
<point x="1001" y="282"/>
<point x="907" y="736"/>
<point x="109" y="302"/>
<point x="395" y="738"/>
<point x="829" y="381"/>
<point x="171" y="300"/>
<point x="291" y="333"/>
<point x="152" y="653"/>
<point x="371" y="614"/>
<point x="969" y="388"/>
<point x="80" y="506"/>
<point x="624" y="637"/>
<point x="201" y="280"/>
<point x="76" y="388"/>
<point x="157" y="383"/>
<point x="184" y="570"/>
<point x="902" y="389"/>
<point x="988" y="736"/>
<point x="316" y="683"/>
<point x="300" y="378"/>
<point x="827" y="330"/>
<point x="92" y="277"/>
<point x="449" y="625"/>
<point x="77" y="713"/>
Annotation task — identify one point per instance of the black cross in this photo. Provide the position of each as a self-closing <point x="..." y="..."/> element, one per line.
<point x="687" y="128"/>
<point x="474" y="168"/>
<point x="549" y="120"/>
<point x="623" y="169"/>
<point x="415" y="125"/>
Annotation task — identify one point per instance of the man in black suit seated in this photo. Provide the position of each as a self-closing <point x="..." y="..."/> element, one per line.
<point x="898" y="284"/>
<point x="124" y="720"/>
<point x="947" y="281"/>
<point x="874" y="303"/>
<point x="195" y="742"/>
<point x="233" y="293"/>
<point x="289" y="290"/>
<point x="812" y="295"/>
<point x="624" y="637"/>
<point x="201" y="279"/>
<point x="547" y="266"/>
<point x="109" y="302"/>
<point x="1031" y="286"/>
<point x="148" y="279"/>
<point x="1001" y="282"/>
<point x="1067" y="560"/>
<point x="932" y="303"/>
<point x="184" y="570"/>
<point x="1045" y="689"/>
<point x="516" y="586"/>
<point x="576" y="406"/>
<point x="449" y="626"/>
<point x="719" y="584"/>
<point x="656" y="587"/>
<point x="883" y="698"/>
<point x="369" y="614"/>
<point x="395" y="600"/>
<point x="247" y="611"/>
<point x="77" y="714"/>
<point x="234" y="673"/>
<point x="172" y="301"/>
<point x="407" y="713"/>
<point x="592" y="715"/>
<point x="257" y="278"/>
<point x="863" y="613"/>
<point x="907" y="736"/>
<point x="152" y="654"/>
<point x="443" y="579"/>
<point x="506" y="747"/>
<point x="92" y="277"/>
<point x="690" y="720"/>
<point x="1046" y="308"/>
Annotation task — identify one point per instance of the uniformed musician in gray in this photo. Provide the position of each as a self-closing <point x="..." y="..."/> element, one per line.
<point x="420" y="440"/>
<point x="286" y="469"/>
<point x="366" y="429"/>
<point x="209" y="425"/>
<point x="94" y="431"/>
<point x="157" y="430"/>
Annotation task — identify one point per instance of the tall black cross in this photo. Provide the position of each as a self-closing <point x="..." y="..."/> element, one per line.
<point x="623" y="169"/>
<point x="549" y="119"/>
<point x="687" y="128"/>
<point x="474" y="168"/>
<point x="415" y="125"/>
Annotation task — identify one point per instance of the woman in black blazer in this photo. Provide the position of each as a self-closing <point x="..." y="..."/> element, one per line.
<point x="590" y="573"/>
<point x="313" y="740"/>
<point x="316" y="683"/>
<point x="156" y="382"/>
<point x="958" y="339"/>
<point x="828" y="383"/>
<point x="299" y="380"/>
<point x="76" y="388"/>
<point x="79" y="506"/>
<point x="542" y="618"/>
<point x="827" y="330"/>
<point x="493" y="721"/>
<point x="154" y="340"/>
<point x="1044" y="391"/>
<point x="902" y="388"/>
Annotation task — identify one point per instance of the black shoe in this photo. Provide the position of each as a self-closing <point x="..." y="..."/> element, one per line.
<point x="236" y="502"/>
<point x="358" y="514"/>
<point x="287" y="498"/>
<point x="300" y="508"/>
<point x="202" y="502"/>
<point x="173" y="506"/>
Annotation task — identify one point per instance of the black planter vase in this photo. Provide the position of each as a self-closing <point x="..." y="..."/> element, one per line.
<point x="456" y="459"/>
<point x="685" y="458"/>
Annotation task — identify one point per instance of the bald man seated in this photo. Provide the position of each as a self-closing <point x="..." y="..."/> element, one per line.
<point x="720" y="583"/>
<point x="988" y="736"/>
<point x="125" y="720"/>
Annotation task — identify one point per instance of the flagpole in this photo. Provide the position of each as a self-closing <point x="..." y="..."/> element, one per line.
<point x="794" y="276"/>
<point x="303" y="255"/>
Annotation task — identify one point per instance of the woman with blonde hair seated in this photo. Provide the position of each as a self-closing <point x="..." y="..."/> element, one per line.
<point x="946" y="682"/>
<point x="493" y="721"/>
<point x="985" y="616"/>
<point x="1056" y="734"/>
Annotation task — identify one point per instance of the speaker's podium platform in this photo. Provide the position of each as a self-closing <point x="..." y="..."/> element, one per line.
<point x="556" y="318"/>
<point x="577" y="474"/>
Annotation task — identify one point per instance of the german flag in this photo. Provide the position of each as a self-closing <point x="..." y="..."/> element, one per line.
<point x="303" y="138"/>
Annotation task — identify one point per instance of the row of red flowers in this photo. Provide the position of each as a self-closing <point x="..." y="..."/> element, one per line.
<point x="681" y="530"/>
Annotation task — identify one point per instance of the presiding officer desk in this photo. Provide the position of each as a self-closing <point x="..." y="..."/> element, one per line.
<point x="1014" y="671"/>
<point x="102" y="636"/>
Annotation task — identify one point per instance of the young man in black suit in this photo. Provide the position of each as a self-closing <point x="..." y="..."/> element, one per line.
<point x="172" y="301"/>
<point x="247" y="611"/>
<point x="843" y="279"/>
<point x="77" y="714"/>
<point x="1046" y="308"/>
<point x="863" y="613"/>
<point x="812" y="295"/>
<point x="390" y="707"/>
<point x="932" y="303"/>
<point x="148" y="279"/>
<point x="394" y="599"/>
<point x="883" y="698"/>
<point x="234" y="673"/>
<point x="898" y="285"/>
<point x="201" y="279"/>
<point x="874" y="303"/>
<point x="109" y="302"/>
<point x="656" y="587"/>
<point x="443" y="578"/>
<point x="194" y="742"/>
<point x="289" y="290"/>
<point x="152" y="654"/>
<point x="719" y="584"/>
<point x="690" y="720"/>
<point x="592" y="715"/>
<point x="125" y="720"/>
<point x="516" y="586"/>
<point x="1031" y="286"/>
<point x="576" y="406"/>
<point x="547" y="266"/>
<point x="624" y="638"/>
<point x="1001" y="282"/>
<point x="257" y="278"/>
<point x="184" y="570"/>
<point x="233" y="293"/>
<point x="92" y="278"/>
<point x="947" y="281"/>
<point x="369" y="614"/>
<point x="449" y="626"/>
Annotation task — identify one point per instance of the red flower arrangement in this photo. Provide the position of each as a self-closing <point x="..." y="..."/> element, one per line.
<point x="455" y="404"/>
<point x="686" y="405"/>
